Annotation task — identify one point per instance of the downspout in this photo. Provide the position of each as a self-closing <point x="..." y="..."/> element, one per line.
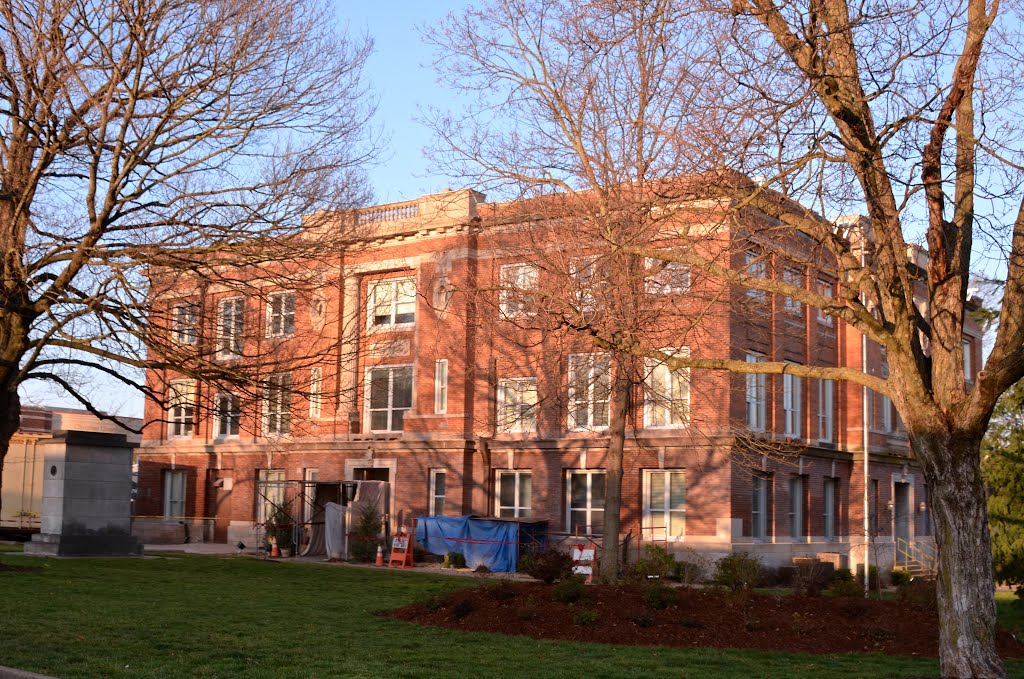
<point x="865" y="416"/>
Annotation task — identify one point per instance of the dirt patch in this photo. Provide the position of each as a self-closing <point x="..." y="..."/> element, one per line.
<point x="693" y="618"/>
<point x="6" y="568"/>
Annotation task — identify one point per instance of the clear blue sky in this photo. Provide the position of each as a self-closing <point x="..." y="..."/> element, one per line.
<point x="400" y="72"/>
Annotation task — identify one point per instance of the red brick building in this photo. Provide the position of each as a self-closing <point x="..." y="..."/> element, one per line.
<point x="413" y="364"/>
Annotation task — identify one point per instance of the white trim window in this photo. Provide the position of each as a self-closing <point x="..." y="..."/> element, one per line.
<point x="316" y="393"/>
<point x="583" y="271"/>
<point x="230" y="326"/>
<point x="666" y="278"/>
<point x="797" y="501"/>
<point x="227" y="415"/>
<point x="794" y="277"/>
<point x="792" y="401"/>
<point x="514" y="493"/>
<point x="968" y="362"/>
<point x="388" y="396"/>
<point x="825" y="289"/>
<point x="830" y="495"/>
<point x="517" y="405"/>
<point x="441" y="386"/>
<point x="438" y="482"/>
<point x="589" y="391"/>
<point x="664" y="504"/>
<point x="277" y="404"/>
<point x="185" y="323"/>
<point x="585" y="502"/>
<point x="391" y="302"/>
<point x="181" y="406"/>
<point x="518" y="284"/>
<point x="885" y="405"/>
<point x="760" y="492"/>
<point x="755" y="266"/>
<point x="175" y="484"/>
<point x="281" y="314"/>
<point x="756" y="396"/>
<point x="667" y="393"/>
<point x="826" y="408"/>
<point x="273" y="495"/>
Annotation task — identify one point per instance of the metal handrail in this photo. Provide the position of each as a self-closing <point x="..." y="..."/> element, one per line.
<point x="920" y="552"/>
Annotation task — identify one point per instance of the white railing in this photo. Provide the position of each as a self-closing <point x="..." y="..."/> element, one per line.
<point x="389" y="213"/>
<point x="922" y="553"/>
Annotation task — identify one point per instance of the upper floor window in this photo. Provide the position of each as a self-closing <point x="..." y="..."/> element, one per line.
<point x="316" y="389"/>
<point x="517" y="404"/>
<point x="666" y="394"/>
<point x="666" y="278"/>
<point x="390" y="397"/>
<point x="392" y="302"/>
<point x="518" y="281"/>
<point x="181" y="402"/>
<point x="281" y="314"/>
<point x="755" y="266"/>
<point x="825" y="289"/>
<point x="185" y="323"/>
<point x="589" y="391"/>
<point x="825" y="409"/>
<point x="756" y="396"/>
<point x="227" y="415"/>
<point x="230" y="326"/>
<point x="794" y="277"/>
<point x="441" y="386"/>
<point x="792" y="400"/>
<point x="585" y="277"/>
<point x="277" y="404"/>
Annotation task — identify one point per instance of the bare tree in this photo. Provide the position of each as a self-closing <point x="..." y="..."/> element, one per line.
<point x="151" y="145"/>
<point x="833" y="107"/>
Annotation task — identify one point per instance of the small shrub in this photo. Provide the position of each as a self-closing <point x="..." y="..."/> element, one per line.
<point x="775" y="577"/>
<point x="847" y="588"/>
<point x="462" y="609"/>
<point x="644" y="620"/>
<point x="569" y="590"/>
<point x="454" y="560"/>
<point x="659" y="595"/>
<point x="842" y="575"/>
<point x="366" y="535"/>
<point x="690" y="572"/>
<point x="658" y="562"/>
<point x="811" y="577"/>
<point x="585" y="617"/>
<point x="880" y="634"/>
<point x="872" y="575"/>
<point x="737" y="571"/>
<point x="546" y="565"/>
<point x="919" y="592"/>
<point x="503" y="591"/>
<point x="526" y="612"/>
<point x="482" y="569"/>
<point x="900" y="576"/>
<point x="436" y="602"/>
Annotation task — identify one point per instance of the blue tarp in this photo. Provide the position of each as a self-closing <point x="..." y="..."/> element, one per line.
<point x="491" y="542"/>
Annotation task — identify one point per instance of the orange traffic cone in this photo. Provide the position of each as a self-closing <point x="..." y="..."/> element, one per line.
<point x="380" y="556"/>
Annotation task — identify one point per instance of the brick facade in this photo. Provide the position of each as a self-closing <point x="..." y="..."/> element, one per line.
<point x="440" y="247"/>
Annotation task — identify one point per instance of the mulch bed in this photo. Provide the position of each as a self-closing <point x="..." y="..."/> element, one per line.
<point x="698" y="618"/>
<point x="7" y="568"/>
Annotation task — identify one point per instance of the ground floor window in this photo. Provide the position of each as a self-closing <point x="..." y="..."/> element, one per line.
<point x="586" y="502"/>
<point x="174" y="493"/>
<point x="271" y="493"/>
<point x="797" y="502"/>
<point x="664" y="504"/>
<point x="514" y="494"/>
<point x="830" y="495"/>
<point x="759" y="506"/>
<point x="437" y="491"/>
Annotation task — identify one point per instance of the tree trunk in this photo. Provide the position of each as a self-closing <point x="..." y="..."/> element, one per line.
<point x="10" y="418"/>
<point x="966" y="602"/>
<point x="621" y="387"/>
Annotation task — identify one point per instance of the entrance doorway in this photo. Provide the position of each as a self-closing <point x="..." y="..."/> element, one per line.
<point x="901" y="511"/>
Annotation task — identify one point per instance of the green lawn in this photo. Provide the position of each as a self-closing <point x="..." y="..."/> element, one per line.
<point x="192" y="616"/>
